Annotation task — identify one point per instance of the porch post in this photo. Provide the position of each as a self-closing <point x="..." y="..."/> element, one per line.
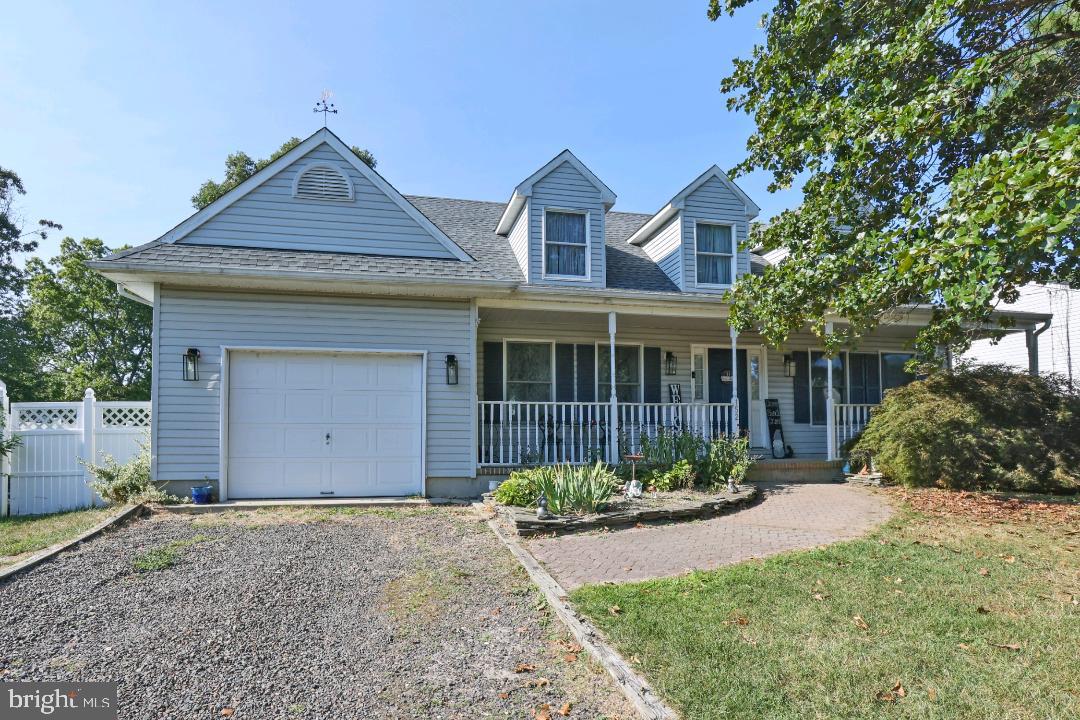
<point x="613" y="401"/>
<point x="89" y="421"/>
<point x="5" y="433"/>
<point x="733" y="431"/>
<point x="830" y="412"/>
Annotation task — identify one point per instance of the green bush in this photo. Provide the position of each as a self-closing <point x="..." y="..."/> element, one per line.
<point x="122" y="483"/>
<point x="725" y="458"/>
<point x="977" y="428"/>
<point x="520" y="489"/>
<point x="680" y="476"/>
<point x="577" y="488"/>
<point x="669" y="447"/>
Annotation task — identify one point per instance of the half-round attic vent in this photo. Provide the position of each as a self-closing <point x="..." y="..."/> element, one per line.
<point x="323" y="182"/>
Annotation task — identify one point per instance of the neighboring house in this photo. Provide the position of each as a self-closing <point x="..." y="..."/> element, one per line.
<point x="1058" y="345"/>
<point x="318" y="333"/>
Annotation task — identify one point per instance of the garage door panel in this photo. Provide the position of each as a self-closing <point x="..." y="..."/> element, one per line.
<point x="282" y="406"/>
<point x="306" y="406"/>
<point x="397" y="407"/>
<point x="311" y="371"/>
<point x="353" y="407"/>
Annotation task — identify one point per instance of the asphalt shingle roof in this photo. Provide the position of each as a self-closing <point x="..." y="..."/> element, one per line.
<point x="469" y="223"/>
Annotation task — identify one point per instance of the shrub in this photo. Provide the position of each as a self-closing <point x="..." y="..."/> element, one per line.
<point x="580" y="489"/>
<point x="977" y="428"/>
<point x="725" y="458"/>
<point x="680" y="476"/>
<point x="669" y="447"/>
<point x="520" y="489"/>
<point x="122" y="483"/>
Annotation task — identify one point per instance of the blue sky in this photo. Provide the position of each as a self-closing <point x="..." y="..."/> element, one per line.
<point x="115" y="113"/>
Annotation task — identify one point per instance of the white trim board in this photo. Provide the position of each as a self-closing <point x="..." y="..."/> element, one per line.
<point x="223" y="398"/>
<point x="319" y="137"/>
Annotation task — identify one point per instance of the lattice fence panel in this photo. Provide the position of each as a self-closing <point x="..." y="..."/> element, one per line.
<point x="45" y="418"/>
<point x="125" y="417"/>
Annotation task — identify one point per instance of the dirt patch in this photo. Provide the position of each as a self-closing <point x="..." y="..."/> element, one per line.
<point x="986" y="507"/>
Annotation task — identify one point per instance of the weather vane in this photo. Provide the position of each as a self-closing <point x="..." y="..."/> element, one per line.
<point x="325" y="106"/>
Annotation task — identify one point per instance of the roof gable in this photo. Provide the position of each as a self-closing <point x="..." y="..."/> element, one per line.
<point x="525" y="188"/>
<point x="678" y="203"/>
<point x="367" y="215"/>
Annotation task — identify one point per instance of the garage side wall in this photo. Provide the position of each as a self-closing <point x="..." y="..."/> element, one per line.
<point x="188" y="413"/>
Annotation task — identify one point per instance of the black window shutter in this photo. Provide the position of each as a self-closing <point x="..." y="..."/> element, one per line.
<point x="652" y="375"/>
<point x="873" y="379"/>
<point x="493" y="371"/>
<point x="586" y="373"/>
<point x="802" y="386"/>
<point x="564" y="373"/>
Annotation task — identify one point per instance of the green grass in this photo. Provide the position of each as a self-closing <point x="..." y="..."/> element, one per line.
<point x="776" y="638"/>
<point x="165" y="556"/>
<point x="27" y="533"/>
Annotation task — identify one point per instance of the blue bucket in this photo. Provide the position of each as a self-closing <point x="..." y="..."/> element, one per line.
<point x="200" y="494"/>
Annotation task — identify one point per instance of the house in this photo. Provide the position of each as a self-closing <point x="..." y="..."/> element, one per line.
<point x="1057" y="345"/>
<point x="317" y="333"/>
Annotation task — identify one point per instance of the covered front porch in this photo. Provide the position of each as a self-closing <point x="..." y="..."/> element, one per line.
<point x="569" y="385"/>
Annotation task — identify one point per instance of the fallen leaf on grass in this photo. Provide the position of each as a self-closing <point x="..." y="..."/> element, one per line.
<point x="524" y="667"/>
<point x="963" y="646"/>
<point x="614" y="609"/>
<point x="860" y="623"/>
<point x="1009" y="559"/>
<point x="931" y="693"/>
<point x="543" y="712"/>
<point x="537" y="683"/>
<point x="565" y="709"/>
<point x="570" y="657"/>
<point x="635" y="660"/>
<point x="504" y="696"/>
<point x="894" y="694"/>
<point x="818" y="596"/>
<point x="984" y="572"/>
<point x="1007" y="646"/>
<point x="227" y="712"/>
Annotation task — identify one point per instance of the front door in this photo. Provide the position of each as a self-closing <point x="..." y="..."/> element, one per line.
<point x="720" y="381"/>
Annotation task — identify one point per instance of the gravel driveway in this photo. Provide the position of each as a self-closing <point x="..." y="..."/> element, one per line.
<point x="300" y="614"/>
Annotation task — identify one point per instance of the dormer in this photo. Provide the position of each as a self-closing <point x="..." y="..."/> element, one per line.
<point x="696" y="238"/>
<point x="555" y="224"/>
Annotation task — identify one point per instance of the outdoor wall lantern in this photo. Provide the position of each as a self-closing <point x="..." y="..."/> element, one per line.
<point x="789" y="366"/>
<point x="451" y="370"/>
<point x="672" y="363"/>
<point x="191" y="363"/>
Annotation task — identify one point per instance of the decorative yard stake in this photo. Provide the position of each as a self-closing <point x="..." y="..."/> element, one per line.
<point x="633" y="488"/>
<point x="731" y="488"/>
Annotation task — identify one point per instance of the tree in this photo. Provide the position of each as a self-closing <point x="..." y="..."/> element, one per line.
<point x="939" y="146"/>
<point x="86" y="334"/>
<point x="239" y="166"/>
<point x="17" y="367"/>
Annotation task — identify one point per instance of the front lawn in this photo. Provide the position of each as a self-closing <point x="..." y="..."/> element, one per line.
<point x="942" y="613"/>
<point x="26" y="533"/>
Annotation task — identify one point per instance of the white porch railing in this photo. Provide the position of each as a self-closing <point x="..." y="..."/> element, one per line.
<point x="45" y="474"/>
<point x="849" y="419"/>
<point x="540" y="433"/>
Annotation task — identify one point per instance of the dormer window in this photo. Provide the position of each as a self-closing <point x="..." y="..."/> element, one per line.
<point x="322" y="182"/>
<point x="715" y="253"/>
<point x="566" y="243"/>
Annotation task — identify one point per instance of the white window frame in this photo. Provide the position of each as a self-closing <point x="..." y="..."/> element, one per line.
<point x="641" y="370"/>
<point x="731" y="257"/>
<point x="505" y="365"/>
<point x="587" y="277"/>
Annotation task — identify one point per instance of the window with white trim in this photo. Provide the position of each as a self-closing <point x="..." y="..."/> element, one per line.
<point x="530" y="372"/>
<point x="566" y="243"/>
<point x="714" y="253"/>
<point x="627" y="373"/>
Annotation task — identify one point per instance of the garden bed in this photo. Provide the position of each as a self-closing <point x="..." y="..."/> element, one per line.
<point x="620" y="511"/>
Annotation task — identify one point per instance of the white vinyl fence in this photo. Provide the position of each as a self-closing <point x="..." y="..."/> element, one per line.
<point x="45" y="473"/>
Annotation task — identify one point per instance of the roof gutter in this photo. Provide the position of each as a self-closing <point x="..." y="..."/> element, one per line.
<point x="653" y="224"/>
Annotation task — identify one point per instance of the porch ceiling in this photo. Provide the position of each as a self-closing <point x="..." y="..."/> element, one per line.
<point x="597" y="321"/>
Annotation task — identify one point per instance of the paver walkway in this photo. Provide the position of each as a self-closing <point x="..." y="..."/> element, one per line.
<point x="791" y="515"/>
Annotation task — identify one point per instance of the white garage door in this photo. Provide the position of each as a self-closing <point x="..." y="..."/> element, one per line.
<point x="324" y="425"/>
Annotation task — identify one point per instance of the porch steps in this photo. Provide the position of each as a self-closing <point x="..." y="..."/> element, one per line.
<point x="796" y="470"/>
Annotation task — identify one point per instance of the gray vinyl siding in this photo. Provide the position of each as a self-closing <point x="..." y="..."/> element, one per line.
<point x="269" y="216"/>
<point x="566" y="188"/>
<point x="519" y="239"/>
<point x="713" y="202"/>
<point x="188" y="413"/>
<point x="1059" y="347"/>
<point x="808" y="441"/>
<point x="666" y="251"/>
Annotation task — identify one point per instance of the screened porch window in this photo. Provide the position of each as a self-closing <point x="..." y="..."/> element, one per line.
<point x="715" y="252"/>
<point x="529" y="376"/>
<point x="565" y="243"/>
<point x="627" y="373"/>
<point x="893" y="374"/>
